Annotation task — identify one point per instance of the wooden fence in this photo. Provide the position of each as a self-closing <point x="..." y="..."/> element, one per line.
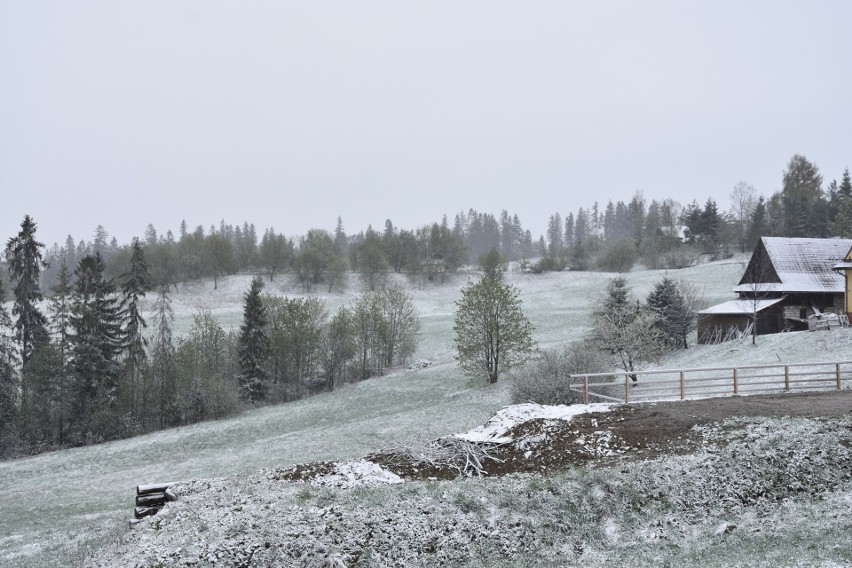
<point x="666" y="384"/>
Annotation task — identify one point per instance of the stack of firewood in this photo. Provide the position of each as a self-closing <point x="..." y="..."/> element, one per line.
<point x="151" y="498"/>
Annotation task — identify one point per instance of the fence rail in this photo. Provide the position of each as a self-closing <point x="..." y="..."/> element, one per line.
<point x="705" y="382"/>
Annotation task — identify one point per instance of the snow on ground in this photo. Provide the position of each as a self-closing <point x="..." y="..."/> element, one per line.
<point x="356" y="474"/>
<point x="498" y="426"/>
<point x="46" y="520"/>
<point x="780" y="486"/>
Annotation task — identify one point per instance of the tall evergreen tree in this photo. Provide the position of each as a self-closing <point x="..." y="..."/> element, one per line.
<point x="162" y="358"/>
<point x="23" y="253"/>
<point x="8" y="378"/>
<point x="845" y="189"/>
<point x="673" y="316"/>
<point x="60" y="312"/>
<point x="253" y="346"/>
<point x="803" y="202"/>
<point x="133" y="341"/>
<point x="95" y="345"/>
<point x="555" y="236"/>
<point x="758" y="225"/>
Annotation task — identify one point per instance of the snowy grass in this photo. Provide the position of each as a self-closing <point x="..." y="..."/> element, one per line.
<point x="762" y="492"/>
<point x="55" y="506"/>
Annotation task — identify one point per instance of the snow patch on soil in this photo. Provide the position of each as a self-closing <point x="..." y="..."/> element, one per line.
<point x="497" y="427"/>
<point x="356" y="474"/>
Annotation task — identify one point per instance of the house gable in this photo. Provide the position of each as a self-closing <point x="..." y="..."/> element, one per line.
<point x="788" y="265"/>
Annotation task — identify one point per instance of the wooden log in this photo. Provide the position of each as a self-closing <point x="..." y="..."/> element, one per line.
<point x="154" y="488"/>
<point x="142" y="512"/>
<point x="151" y="500"/>
<point x="170" y="494"/>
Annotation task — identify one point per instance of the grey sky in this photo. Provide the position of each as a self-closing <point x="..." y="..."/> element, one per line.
<point x="287" y="114"/>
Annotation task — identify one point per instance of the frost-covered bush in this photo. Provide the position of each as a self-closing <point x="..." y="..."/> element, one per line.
<point x="548" y="379"/>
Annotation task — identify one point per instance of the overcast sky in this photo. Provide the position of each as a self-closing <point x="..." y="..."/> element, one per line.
<point x="288" y="114"/>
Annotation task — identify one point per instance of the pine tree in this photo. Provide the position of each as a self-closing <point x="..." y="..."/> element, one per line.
<point x="667" y="303"/>
<point x="95" y="346"/>
<point x="60" y="310"/>
<point x="162" y="359"/>
<point x="340" y="236"/>
<point x="133" y="341"/>
<point x="23" y="254"/>
<point x="622" y="327"/>
<point x="802" y="200"/>
<point x="253" y="346"/>
<point x="555" y="236"/>
<point x="8" y="379"/>
<point x="757" y="225"/>
<point x="845" y="189"/>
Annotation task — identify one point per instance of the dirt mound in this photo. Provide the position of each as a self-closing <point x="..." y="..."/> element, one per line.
<point x="518" y="441"/>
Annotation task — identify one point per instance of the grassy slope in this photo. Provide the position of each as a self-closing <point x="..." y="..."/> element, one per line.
<point x="52" y="505"/>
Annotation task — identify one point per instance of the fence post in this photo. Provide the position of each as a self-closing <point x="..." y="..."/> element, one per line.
<point x="735" y="380"/>
<point x="681" y="385"/>
<point x="626" y="388"/>
<point x="837" y="374"/>
<point x="786" y="378"/>
<point x="586" y="390"/>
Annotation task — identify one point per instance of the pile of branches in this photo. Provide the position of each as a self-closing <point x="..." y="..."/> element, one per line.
<point x="456" y="455"/>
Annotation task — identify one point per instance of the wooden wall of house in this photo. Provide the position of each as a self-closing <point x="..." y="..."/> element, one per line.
<point x="770" y="320"/>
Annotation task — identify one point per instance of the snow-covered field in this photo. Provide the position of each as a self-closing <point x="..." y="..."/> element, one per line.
<point x="55" y="507"/>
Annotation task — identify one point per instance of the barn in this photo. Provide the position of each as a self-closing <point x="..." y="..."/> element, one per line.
<point x="787" y="284"/>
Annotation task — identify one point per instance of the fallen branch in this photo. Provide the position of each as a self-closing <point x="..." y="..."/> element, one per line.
<point x="464" y="457"/>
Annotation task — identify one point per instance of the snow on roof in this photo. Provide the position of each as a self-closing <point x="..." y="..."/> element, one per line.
<point x="741" y="306"/>
<point x="804" y="265"/>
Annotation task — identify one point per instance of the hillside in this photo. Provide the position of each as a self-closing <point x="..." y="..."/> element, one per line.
<point x="56" y="506"/>
<point x="718" y="482"/>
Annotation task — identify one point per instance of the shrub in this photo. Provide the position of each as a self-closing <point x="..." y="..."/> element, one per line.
<point x="547" y="381"/>
<point x="619" y="256"/>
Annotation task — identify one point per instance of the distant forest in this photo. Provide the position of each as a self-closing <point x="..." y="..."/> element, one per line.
<point x="612" y="237"/>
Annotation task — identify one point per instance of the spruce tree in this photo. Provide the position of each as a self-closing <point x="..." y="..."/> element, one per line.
<point x="133" y="340"/>
<point x="23" y="253"/>
<point x="667" y="303"/>
<point x="60" y="310"/>
<point x="8" y="378"/>
<point x="96" y="345"/>
<point x="253" y="346"/>
<point x="802" y="200"/>
<point x="758" y="224"/>
<point x="162" y="359"/>
<point x="845" y="189"/>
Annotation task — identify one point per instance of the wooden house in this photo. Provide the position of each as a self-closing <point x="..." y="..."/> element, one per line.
<point x="787" y="282"/>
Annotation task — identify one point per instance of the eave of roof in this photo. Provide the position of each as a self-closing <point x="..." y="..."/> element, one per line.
<point x="741" y="306"/>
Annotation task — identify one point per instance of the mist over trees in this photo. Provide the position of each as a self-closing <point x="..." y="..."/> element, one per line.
<point x="612" y="236"/>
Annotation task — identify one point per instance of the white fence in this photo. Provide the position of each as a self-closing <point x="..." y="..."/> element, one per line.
<point x="662" y="384"/>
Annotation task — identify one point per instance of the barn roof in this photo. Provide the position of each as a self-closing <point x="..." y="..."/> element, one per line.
<point x="795" y="265"/>
<point x="741" y="306"/>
